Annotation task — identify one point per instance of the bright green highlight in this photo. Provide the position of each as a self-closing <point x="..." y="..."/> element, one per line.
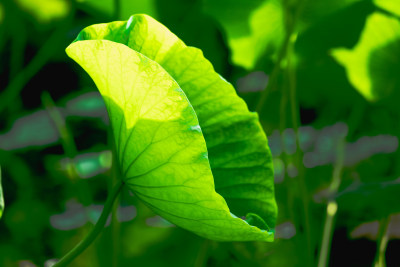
<point x="371" y="64"/>
<point x="46" y="11"/>
<point x="162" y="145"/>
<point x="392" y="6"/>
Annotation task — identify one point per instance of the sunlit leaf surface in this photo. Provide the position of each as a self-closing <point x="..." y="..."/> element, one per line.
<point x="160" y="144"/>
<point x="372" y="65"/>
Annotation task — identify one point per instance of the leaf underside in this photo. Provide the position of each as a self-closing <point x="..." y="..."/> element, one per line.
<point x="168" y="107"/>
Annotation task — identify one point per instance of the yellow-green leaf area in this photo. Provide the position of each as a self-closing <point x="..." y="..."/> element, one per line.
<point x="159" y="143"/>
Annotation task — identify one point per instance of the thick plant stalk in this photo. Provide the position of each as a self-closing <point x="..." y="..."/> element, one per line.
<point x="78" y="249"/>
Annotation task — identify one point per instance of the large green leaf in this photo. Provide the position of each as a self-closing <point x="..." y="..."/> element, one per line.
<point x="237" y="147"/>
<point x="372" y="65"/>
<point x="1" y="198"/>
<point x="159" y="142"/>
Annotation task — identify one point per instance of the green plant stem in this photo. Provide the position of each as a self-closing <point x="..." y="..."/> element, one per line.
<point x="382" y="241"/>
<point x="115" y="233"/>
<point x="115" y="224"/>
<point x="332" y="207"/>
<point x="292" y="16"/>
<point x="295" y="119"/>
<point x="331" y="210"/>
<point x="273" y="77"/>
<point x="94" y="232"/>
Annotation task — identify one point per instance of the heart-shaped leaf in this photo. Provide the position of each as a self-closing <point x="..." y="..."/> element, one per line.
<point x="162" y="133"/>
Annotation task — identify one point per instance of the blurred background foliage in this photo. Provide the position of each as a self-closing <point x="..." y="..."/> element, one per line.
<point x="323" y="76"/>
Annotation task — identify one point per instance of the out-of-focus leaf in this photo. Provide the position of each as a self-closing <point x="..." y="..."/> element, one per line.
<point x="372" y="65"/>
<point x="89" y="164"/>
<point x="45" y="11"/>
<point x="254" y="28"/>
<point x="241" y="166"/>
<point x="253" y="82"/>
<point x="315" y="66"/>
<point x="84" y="165"/>
<point x="393" y="6"/>
<point x="87" y="105"/>
<point x="1" y="198"/>
<point x="370" y="201"/>
<point x="76" y="215"/>
<point x="371" y="229"/>
<point x="36" y="129"/>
